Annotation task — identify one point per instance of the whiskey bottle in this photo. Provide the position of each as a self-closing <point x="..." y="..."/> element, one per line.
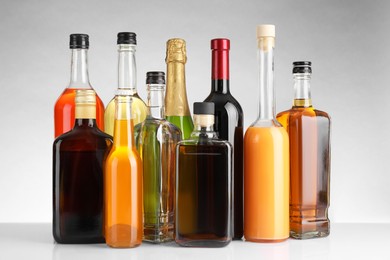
<point x="64" y="109"/>
<point x="309" y="132"/>
<point x="127" y="82"/>
<point x="78" y="176"/>
<point x="156" y="141"/>
<point x="203" y="201"/>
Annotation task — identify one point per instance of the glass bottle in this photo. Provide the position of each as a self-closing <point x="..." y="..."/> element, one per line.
<point x="266" y="160"/>
<point x="156" y="141"/>
<point x="127" y="82"/>
<point x="309" y="132"/>
<point x="203" y="185"/>
<point x="228" y="125"/>
<point x="123" y="182"/>
<point x="64" y="109"/>
<point x="78" y="176"/>
<point x="176" y="105"/>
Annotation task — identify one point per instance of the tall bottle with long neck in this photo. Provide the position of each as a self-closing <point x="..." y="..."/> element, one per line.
<point x="309" y="132"/>
<point x="156" y="141"/>
<point x="78" y="176"/>
<point x="266" y="161"/>
<point x="64" y="109"/>
<point x="176" y="105"/>
<point x="127" y="82"/>
<point x="229" y="122"/>
<point x="123" y="182"/>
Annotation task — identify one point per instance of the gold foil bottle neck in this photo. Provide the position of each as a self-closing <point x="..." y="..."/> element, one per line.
<point x="176" y="51"/>
<point x="85" y="101"/>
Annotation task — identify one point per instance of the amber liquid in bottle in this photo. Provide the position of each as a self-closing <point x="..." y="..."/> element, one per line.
<point x="309" y="132"/>
<point x="203" y="206"/>
<point x="64" y="109"/>
<point x="123" y="182"/>
<point x="78" y="177"/>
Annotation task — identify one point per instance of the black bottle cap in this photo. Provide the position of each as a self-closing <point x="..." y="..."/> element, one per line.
<point x="204" y="108"/>
<point x="127" y="38"/>
<point x="78" y="41"/>
<point x="301" y="67"/>
<point x="155" y="77"/>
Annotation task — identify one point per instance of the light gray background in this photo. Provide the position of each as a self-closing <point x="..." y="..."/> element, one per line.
<point x="347" y="41"/>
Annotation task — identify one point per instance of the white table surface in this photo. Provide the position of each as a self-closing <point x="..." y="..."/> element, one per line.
<point x="346" y="241"/>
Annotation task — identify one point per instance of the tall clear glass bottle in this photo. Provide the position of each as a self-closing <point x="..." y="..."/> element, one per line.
<point x="309" y="132"/>
<point x="127" y="82"/>
<point x="176" y="105"/>
<point x="78" y="176"/>
<point x="123" y="182"/>
<point x="266" y="160"/>
<point x="229" y="120"/>
<point x="203" y="185"/>
<point x="64" y="109"/>
<point x="156" y="141"/>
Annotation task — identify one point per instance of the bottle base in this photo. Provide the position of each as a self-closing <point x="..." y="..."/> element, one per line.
<point x="121" y="236"/>
<point x="309" y="235"/>
<point x="203" y="242"/>
<point x="261" y="240"/>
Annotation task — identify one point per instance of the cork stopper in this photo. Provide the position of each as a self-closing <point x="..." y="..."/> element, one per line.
<point x="265" y="37"/>
<point x="176" y="50"/>
<point x="85" y="101"/>
<point x="265" y="30"/>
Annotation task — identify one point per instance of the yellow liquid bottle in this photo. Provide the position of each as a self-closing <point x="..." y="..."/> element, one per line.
<point x="266" y="160"/>
<point x="123" y="183"/>
<point x="127" y="82"/>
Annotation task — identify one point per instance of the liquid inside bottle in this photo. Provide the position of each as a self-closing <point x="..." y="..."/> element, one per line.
<point x="309" y="132"/>
<point x="203" y="206"/>
<point x="266" y="161"/>
<point x="127" y="82"/>
<point x="176" y="104"/>
<point x="156" y="141"/>
<point x="123" y="183"/>
<point x="64" y="109"/>
<point x="78" y="176"/>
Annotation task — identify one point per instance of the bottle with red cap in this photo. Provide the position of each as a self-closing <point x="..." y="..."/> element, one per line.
<point x="229" y="122"/>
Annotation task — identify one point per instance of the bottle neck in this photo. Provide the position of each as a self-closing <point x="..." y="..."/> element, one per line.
<point x="220" y="71"/>
<point x="176" y="103"/>
<point x="127" y="69"/>
<point x="79" y="69"/>
<point x="203" y="127"/>
<point x="302" y="96"/>
<point x="265" y="56"/>
<point x="85" y="115"/>
<point x="156" y="101"/>
<point x="124" y="125"/>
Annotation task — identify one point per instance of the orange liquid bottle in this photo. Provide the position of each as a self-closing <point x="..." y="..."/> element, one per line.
<point x="266" y="160"/>
<point x="123" y="183"/>
<point x="64" y="109"/>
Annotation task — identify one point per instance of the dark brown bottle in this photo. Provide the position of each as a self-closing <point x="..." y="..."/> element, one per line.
<point x="203" y="206"/>
<point x="228" y="125"/>
<point x="78" y="176"/>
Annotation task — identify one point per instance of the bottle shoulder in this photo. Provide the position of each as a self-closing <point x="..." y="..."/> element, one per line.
<point x="221" y="100"/>
<point x="84" y="136"/>
<point x="301" y="112"/>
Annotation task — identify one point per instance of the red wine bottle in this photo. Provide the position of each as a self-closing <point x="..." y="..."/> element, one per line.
<point x="229" y="122"/>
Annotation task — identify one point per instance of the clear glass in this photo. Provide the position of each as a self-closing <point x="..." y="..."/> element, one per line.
<point x="203" y="191"/>
<point x="266" y="162"/>
<point x="127" y="86"/>
<point x="156" y="140"/>
<point x="309" y="132"/>
<point x="123" y="183"/>
<point x="64" y="109"/>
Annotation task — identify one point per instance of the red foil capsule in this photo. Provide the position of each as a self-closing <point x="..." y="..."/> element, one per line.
<point x="220" y="58"/>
